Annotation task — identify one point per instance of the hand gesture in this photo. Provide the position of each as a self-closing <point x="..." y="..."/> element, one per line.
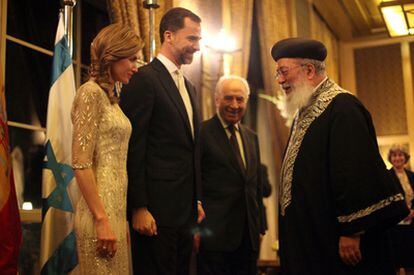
<point x="410" y="216"/>
<point x="144" y="222"/>
<point x="106" y="239"/>
<point x="349" y="249"/>
<point x="201" y="214"/>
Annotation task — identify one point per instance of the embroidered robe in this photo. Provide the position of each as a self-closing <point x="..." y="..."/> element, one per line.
<point x="333" y="183"/>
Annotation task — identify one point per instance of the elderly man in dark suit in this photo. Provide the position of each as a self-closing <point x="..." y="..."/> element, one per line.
<point x="232" y="186"/>
<point x="163" y="159"/>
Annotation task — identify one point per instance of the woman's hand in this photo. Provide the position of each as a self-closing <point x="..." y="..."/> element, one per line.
<point x="106" y="240"/>
<point x="106" y="244"/>
<point x="410" y="216"/>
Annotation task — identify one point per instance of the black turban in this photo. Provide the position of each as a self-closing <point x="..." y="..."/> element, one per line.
<point x="299" y="48"/>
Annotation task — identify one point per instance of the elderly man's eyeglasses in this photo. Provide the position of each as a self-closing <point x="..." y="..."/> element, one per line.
<point x="283" y="71"/>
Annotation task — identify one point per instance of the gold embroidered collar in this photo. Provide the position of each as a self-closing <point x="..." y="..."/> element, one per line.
<point x="319" y="101"/>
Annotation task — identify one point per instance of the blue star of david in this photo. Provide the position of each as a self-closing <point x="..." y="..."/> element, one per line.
<point x="63" y="174"/>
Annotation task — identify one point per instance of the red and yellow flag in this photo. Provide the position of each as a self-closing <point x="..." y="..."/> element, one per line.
<point x="10" y="228"/>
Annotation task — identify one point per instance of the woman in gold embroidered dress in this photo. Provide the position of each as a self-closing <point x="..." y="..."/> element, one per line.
<point x="100" y="142"/>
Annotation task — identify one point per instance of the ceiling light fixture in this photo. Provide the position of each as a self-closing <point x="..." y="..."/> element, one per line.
<point x="398" y="17"/>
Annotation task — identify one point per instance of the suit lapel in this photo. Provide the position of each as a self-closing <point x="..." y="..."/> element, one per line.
<point x="172" y="91"/>
<point x="193" y="99"/>
<point x="224" y="142"/>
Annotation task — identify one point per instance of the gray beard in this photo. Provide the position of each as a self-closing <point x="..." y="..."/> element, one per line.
<point x="298" y="98"/>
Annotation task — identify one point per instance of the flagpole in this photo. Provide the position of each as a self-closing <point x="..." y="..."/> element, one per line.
<point x="59" y="190"/>
<point x="68" y="8"/>
<point x="151" y="5"/>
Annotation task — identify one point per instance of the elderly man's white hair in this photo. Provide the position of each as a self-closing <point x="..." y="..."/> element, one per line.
<point x="224" y="78"/>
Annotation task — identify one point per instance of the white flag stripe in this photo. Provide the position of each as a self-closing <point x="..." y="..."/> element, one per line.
<point x="60" y="32"/>
<point x="61" y="108"/>
<point x="56" y="232"/>
<point x="59" y="189"/>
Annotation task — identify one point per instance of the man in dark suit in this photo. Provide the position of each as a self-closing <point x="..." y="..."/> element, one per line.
<point x="232" y="186"/>
<point x="163" y="159"/>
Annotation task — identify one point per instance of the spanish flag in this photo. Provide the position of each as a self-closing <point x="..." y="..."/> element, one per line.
<point x="10" y="228"/>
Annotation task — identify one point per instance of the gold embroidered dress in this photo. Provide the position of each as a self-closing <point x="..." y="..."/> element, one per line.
<point x="100" y="141"/>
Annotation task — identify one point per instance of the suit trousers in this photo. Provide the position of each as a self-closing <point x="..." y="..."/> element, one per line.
<point x="167" y="253"/>
<point x="242" y="261"/>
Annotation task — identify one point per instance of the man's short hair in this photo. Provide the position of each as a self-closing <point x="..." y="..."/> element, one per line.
<point x="173" y="20"/>
<point x="219" y="85"/>
<point x="319" y="65"/>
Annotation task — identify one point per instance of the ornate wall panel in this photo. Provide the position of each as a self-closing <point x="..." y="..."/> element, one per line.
<point x="379" y="82"/>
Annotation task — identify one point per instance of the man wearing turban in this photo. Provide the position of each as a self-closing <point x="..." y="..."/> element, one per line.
<point x="336" y="197"/>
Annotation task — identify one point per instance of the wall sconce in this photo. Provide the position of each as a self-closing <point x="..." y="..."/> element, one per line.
<point x="217" y="47"/>
<point x="224" y="44"/>
<point x="398" y="17"/>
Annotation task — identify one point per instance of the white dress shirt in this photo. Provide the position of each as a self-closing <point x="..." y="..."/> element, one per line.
<point x="178" y="77"/>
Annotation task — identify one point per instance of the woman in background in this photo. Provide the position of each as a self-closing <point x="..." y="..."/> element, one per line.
<point x="100" y="143"/>
<point x="402" y="235"/>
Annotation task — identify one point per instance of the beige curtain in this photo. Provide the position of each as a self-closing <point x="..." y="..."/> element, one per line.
<point x="133" y="14"/>
<point x="204" y="71"/>
<point x="237" y="21"/>
<point x="321" y="32"/>
<point x="209" y="77"/>
<point x="273" y="21"/>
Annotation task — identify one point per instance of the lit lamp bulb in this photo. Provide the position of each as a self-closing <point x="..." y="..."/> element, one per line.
<point x="27" y="205"/>
<point x="223" y="43"/>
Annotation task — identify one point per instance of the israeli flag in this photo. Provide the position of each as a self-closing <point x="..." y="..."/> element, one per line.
<point x="59" y="190"/>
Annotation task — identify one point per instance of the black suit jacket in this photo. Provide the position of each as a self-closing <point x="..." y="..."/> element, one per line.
<point x="232" y="197"/>
<point x="163" y="159"/>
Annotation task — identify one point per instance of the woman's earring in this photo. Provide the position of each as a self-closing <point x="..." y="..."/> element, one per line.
<point x="118" y="87"/>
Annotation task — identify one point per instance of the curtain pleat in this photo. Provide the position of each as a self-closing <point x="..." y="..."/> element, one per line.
<point x="133" y="14"/>
<point x="204" y="69"/>
<point x="237" y="21"/>
<point x="321" y="32"/>
<point x="273" y="22"/>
